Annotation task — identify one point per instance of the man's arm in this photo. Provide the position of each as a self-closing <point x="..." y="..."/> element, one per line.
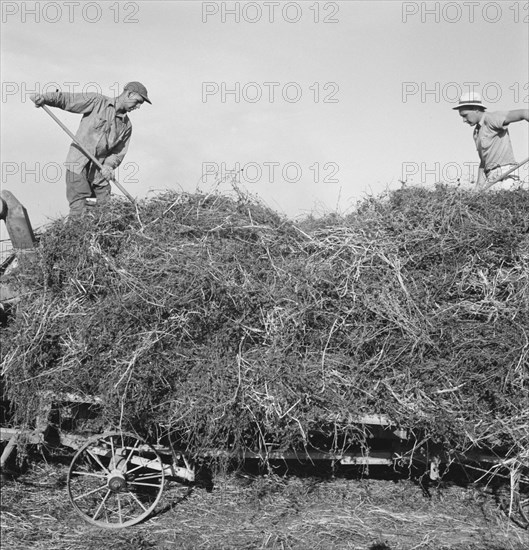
<point x="516" y="116"/>
<point x="74" y="103"/>
<point x="119" y="151"/>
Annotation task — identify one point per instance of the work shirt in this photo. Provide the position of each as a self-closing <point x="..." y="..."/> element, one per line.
<point x="103" y="131"/>
<point x="493" y="141"/>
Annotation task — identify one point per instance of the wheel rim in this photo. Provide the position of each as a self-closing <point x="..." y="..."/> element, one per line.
<point x="115" y="480"/>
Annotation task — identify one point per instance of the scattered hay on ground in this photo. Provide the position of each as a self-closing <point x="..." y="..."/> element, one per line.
<point x="272" y="512"/>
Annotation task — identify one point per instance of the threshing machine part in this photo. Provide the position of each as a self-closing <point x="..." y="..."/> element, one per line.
<point x="17" y="222"/>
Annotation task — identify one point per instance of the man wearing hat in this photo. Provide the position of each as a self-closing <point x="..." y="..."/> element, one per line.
<point x="104" y="131"/>
<point x="492" y="139"/>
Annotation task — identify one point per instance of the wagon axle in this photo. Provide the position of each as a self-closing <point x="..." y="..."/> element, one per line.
<point x="117" y="482"/>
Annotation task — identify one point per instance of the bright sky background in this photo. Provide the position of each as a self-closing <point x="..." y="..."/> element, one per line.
<point x="372" y="135"/>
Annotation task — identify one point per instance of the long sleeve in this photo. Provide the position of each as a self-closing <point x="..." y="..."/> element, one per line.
<point x="103" y="132"/>
<point x="73" y="103"/>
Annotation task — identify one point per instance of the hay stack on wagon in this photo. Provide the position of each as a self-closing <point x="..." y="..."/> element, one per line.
<point x="216" y="319"/>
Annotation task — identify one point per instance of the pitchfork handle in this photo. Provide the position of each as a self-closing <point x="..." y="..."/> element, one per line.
<point x="91" y="157"/>
<point x="503" y="176"/>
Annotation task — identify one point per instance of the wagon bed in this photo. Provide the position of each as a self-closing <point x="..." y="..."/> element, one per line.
<point x="116" y="479"/>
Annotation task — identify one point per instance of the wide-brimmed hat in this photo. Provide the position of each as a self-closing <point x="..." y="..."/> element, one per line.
<point x="470" y="99"/>
<point x="139" y="88"/>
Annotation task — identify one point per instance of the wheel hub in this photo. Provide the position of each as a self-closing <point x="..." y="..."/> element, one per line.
<point x="117" y="482"/>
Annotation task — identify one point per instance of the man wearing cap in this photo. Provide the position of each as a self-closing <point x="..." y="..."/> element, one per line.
<point x="492" y="139"/>
<point x="104" y="132"/>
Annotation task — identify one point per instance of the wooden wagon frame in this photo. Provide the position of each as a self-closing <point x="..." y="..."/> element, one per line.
<point x="116" y="479"/>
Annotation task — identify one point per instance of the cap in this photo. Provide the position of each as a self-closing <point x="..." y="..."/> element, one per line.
<point x="139" y="88"/>
<point x="470" y="99"/>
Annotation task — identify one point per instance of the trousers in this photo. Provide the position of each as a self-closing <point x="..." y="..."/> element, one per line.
<point x="89" y="184"/>
<point x="512" y="181"/>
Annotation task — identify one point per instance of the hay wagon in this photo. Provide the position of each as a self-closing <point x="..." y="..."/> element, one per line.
<point x="116" y="479"/>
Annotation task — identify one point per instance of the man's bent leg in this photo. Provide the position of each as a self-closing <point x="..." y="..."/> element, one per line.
<point x="100" y="186"/>
<point x="77" y="190"/>
<point x="102" y="192"/>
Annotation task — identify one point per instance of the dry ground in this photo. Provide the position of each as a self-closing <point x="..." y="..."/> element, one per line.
<point x="248" y="511"/>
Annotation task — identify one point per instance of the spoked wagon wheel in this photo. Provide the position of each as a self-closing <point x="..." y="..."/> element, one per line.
<point x="115" y="480"/>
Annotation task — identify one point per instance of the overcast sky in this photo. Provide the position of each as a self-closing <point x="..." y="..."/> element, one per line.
<point x="329" y="101"/>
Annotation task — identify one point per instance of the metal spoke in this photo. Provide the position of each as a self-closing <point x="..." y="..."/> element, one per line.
<point x="96" y="458"/>
<point x="91" y="492"/>
<point x="106" y="514"/>
<point x="94" y="517"/>
<point x="119" y="508"/>
<point x="144" y="477"/>
<point x="127" y="504"/>
<point x="144" y="484"/>
<point x="137" y="500"/>
<point x="131" y="451"/>
<point x="113" y="459"/>
<point x="101" y="476"/>
<point x="142" y="466"/>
